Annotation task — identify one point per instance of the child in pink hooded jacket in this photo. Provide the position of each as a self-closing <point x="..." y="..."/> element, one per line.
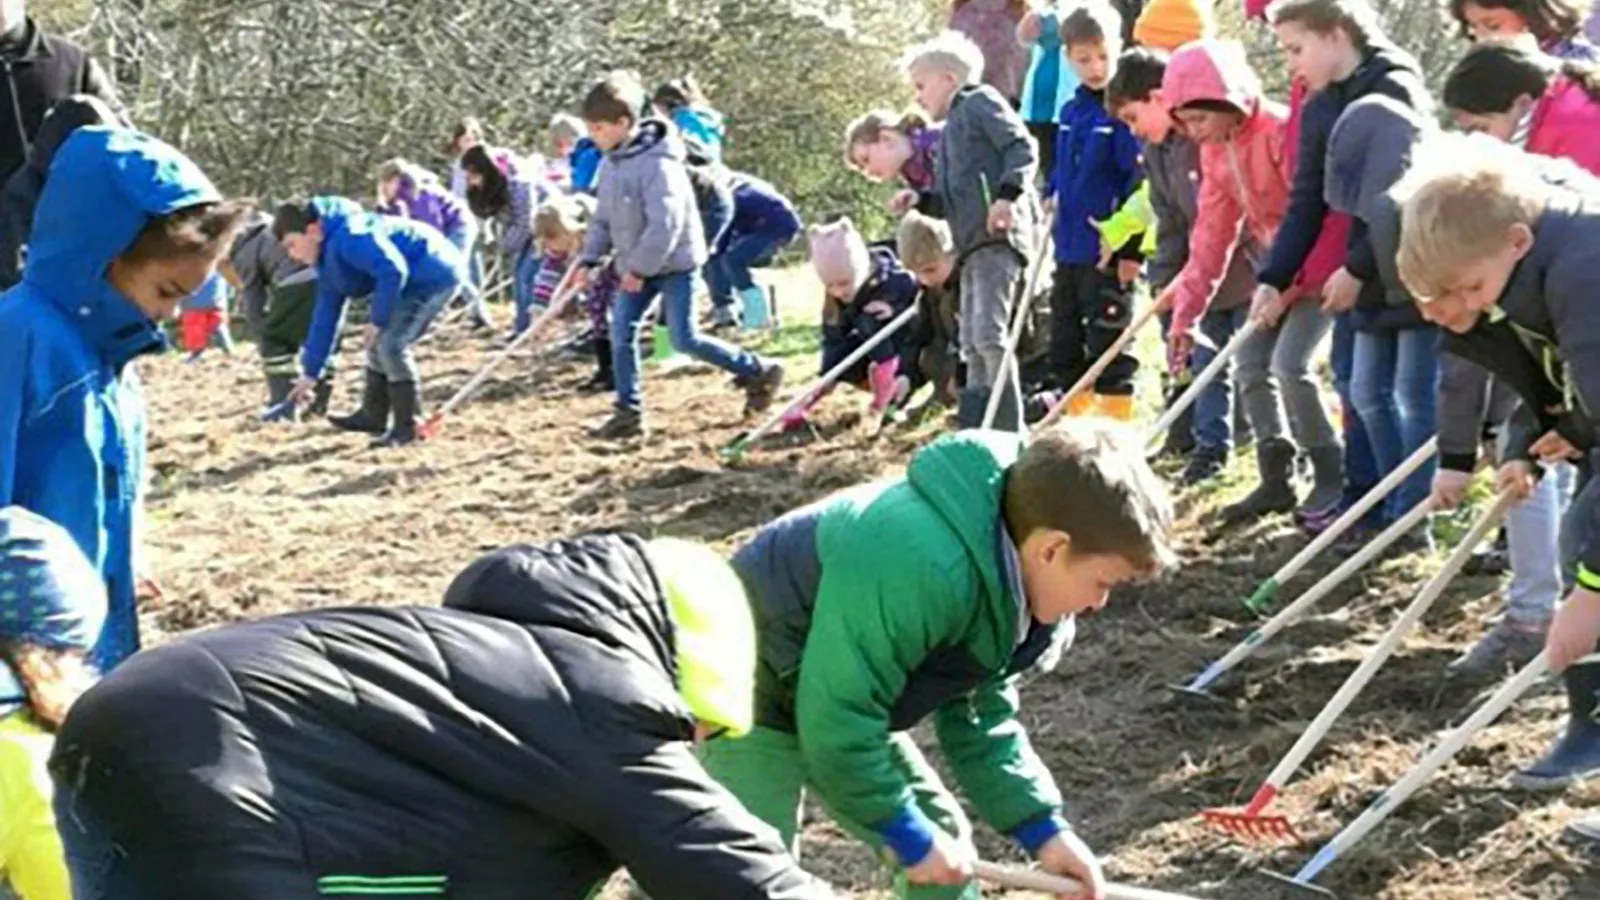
<point x="1519" y="95"/>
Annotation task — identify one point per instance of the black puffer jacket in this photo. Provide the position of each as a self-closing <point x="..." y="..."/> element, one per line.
<point x="40" y="70"/>
<point x="525" y="741"/>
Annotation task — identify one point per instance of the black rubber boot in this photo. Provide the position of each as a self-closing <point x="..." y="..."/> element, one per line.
<point x="320" y="397"/>
<point x="1327" y="478"/>
<point x="761" y="390"/>
<point x="404" y="398"/>
<point x="278" y="407"/>
<point x="373" y="416"/>
<point x="602" y="382"/>
<point x="1576" y="754"/>
<point x="1180" y="442"/>
<point x="1275" y="493"/>
<point x="1205" y="463"/>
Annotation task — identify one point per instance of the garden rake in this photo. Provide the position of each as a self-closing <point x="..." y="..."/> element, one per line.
<point x="557" y="306"/>
<point x="1268" y="591"/>
<point x="1092" y="374"/>
<point x="1210" y="373"/>
<point x="1010" y="373"/>
<point x="1249" y="823"/>
<point x="1033" y="880"/>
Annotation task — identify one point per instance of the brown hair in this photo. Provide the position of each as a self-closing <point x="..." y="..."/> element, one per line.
<point x="1551" y="21"/>
<point x="561" y="216"/>
<point x="618" y="96"/>
<point x="1355" y="18"/>
<point x="566" y="125"/>
<point x="1092" y="22"/>
<point x="205" y="229"/>
<point x="1090" y="480"/>
<point x="923" y="240"/>
<point x="869" y="128"/>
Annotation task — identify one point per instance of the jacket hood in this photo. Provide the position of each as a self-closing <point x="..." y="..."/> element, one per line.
<point x="963" y="477"/>
<point x="338" y="215"/>
<point x="257" y="228"/>
<point x="105" y="185"/>
<point x="1382" y="60"/>
<point x="653" y="137"/>
<point x="714" y="632"/>
<point x="1369" y="149"/>
<point x="1212" y="70"/>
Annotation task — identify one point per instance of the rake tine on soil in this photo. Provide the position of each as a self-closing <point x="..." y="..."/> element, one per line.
<point x="1034" y="880"/>
<point x="1268" y="590"/>
<point x="1019" y="319"/>
<point x="1249" y="824"/>
<point x="1303" y="887"/>
<point x="1219" y="364"/>
<point x="1302" y="604"/>
<point x="1092" y="375"/>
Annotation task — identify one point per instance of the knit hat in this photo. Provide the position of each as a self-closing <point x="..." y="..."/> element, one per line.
<point x="1256" y="9"/>
<point x="838" y="253"/>
<point x="1169" y="24"/>
<point x="714" y="632"/>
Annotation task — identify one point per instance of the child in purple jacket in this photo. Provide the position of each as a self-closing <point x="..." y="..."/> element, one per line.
<point x="411" y="192"/>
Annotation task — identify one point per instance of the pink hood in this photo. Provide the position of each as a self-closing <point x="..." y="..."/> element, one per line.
<point x="1212" y="70"/>
<point x="1566" y="124"/>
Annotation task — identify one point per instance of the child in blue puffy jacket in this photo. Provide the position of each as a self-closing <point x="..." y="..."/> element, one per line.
<point x="764" y="222"/>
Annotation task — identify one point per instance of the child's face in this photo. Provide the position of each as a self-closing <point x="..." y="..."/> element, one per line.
<point x="1484" y="22"/>
<point x="157" y="286"/>
<point x="935" y="274"/>
<point x="388" y="187"/>
<point x="1149" y="119"/>
<point x="1478" y="287"/>
<point x="1500" y="126"/>
<point x="1208" y="126"/>
<point x="1060" y="583"/>
<point x="1318" y="59"/>
<point x="935" y="89"/>
<point x="882" y="159"/>
<point x="304" y="247"/>
<point x="609" y="135"/>
<point x="1092" y="61"/>
<point x="561" y="244"/>
<point x="466" y="142"/>
<point x="841" y="289"/>
<point x="562" y="145"/>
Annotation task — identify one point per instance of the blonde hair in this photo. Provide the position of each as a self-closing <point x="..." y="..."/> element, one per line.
<point x="565" y="126"/>
<point x="1457" y="202"/>
<point x="923" y="240"/>
<point x="868" y="129"/>
<point x="562" y="216"/>
<point x="951" y="52"/>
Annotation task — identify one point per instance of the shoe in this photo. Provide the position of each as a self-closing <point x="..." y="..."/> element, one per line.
<point x="1492" y="560"/>
<point x="601" y="381"/>
<point x="1416" y="542"/>
<point x="404" y="398"/>
<point x="1205" y="463"/>
<point x="373" y="416"/>
<point x="321" y="396"/>
<point x="761" y="389"/>
<point x="888" y="388"/>
<point x="1038" y="405"/>
<point x="1584" y="829"/>
<point x="1576" y="754"/>
<point x="623" y="424"/>
<point x="279" y="409"/>
<point x="1507" y="644"/>
<point x="1327" y="477"/>
<point x="1275" y="493"/>
<point x="1180" y="441"/>
<point x="1118" y="407"/>
<point x="193" y="358"/>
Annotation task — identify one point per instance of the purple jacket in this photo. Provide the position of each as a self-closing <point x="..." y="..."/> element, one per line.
<point x="918" y="170"/>
<point x="430" y="203"/>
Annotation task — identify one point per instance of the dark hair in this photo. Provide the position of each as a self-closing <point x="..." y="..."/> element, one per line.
<point x="1493" y="74"/>
<point x="487" y="200"/>
<point x="678" y="93"/>
<point x="1551" y="21"/>
<point x="293" y="217"/>
<point x="618" y="96"/>
<point x="205" y="229"/>
<point x="1139" y="74"/>
<point x="1216" y="105"/>
<point x="469" y="125"/>
<point x="1090" y="22"/>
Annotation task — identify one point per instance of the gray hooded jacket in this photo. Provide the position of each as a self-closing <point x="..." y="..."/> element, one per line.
<point x="260" y="264"/>
<point x="646" y="212"/>
<point x="986" y="154"/>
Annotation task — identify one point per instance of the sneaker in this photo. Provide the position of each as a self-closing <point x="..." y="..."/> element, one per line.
<point x="1584" y="830"/>
<point x="1490" y="561"/>
<point x="1205" y="463"/>
<point x="760" y="390"/>
<point x="1508" y="644"/>
<point x="623" y="424"/>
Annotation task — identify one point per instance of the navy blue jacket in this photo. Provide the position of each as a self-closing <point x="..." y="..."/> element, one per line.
<point x="760" y="211"/>
<point x="1097" y="169"/>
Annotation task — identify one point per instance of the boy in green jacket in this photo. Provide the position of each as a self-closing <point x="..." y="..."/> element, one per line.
<point x="928" y="595"/>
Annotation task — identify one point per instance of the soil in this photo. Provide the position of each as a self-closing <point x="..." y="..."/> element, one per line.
<point x="247" y="520"/>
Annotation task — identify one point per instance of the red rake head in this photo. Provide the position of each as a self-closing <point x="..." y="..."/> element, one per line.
<point x="1251" y="826"/>
<point x="430" y="429"/>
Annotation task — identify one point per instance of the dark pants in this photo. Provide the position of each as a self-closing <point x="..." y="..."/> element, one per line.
<point x="288" y="319"/>
<point x="839" y="341"/>
<point x="1089" y="310"/>
<point x="1045" y="134"/>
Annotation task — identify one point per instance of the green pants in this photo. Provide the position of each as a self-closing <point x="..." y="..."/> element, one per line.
<point x="288" y="319"/>
<point x="766" y="771"/>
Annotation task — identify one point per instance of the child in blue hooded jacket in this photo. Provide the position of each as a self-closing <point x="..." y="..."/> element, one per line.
<point x="410" y="271"/>
<point x="125" y="229"/>
<point x="764" y="222"/>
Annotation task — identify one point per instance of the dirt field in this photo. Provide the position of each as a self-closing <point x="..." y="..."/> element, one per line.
<point x="249" y="520"/>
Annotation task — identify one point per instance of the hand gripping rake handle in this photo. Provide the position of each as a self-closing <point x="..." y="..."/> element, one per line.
<point x="557" y="306"/>
<point x="1092" y="374"/>
<point x="1269" y="588"/>
<point x="1207" y="375"/>
<point x="1385" y="647"/>
<point x="1019" y="321"/>
<point x="744" y="441"/>
<point x="1031" y="880"/>
<point x="1294" y="611"/>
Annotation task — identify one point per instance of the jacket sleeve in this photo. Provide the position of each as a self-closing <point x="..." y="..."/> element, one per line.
<point x="327" y="316"/>
<point x="1172" y="240"/>
<point x="1360" y="258"/>
<point x="989" y="753"/>
<point x="380" y="258"/>
<point x="1219" y="222"/>
<point x="1569" y="290"/>
<point x="1463" y="402"/>
<point x="667" y="204"/>
<point x="518" y="231"/>
<point x="20" y="193"/>
<point x="1307" y="210"/>
<point x="11" y="412"/>
<point x="1006" y="132"/>
<point x="253" y="296"/>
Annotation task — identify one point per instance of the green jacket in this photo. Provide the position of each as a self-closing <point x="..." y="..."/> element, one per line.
<point x="894" y="600"/>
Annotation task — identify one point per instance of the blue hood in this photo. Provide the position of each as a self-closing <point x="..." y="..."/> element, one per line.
<point x="105" y="184"/>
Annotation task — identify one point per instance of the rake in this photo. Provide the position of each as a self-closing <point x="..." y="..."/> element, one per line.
<point x="1249" y="823"/>
<point x="1268" y="591"/>
<point x="1092" y="374"/>
<point x="1033" y="880"/>
<point x="1019" y="320"/>
<point x="1210" y="373"/>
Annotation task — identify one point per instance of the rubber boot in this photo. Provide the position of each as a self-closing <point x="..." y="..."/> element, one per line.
<point x="404" y="398"/>
<point x="1576" y="754"/>
<point x="321" y="396"/>
<point x="1275" y="493"/>
<point x="373" y="416"/>
<point x="761" y="389"/>
<point x="1180" y="441"/>
<point x="755" y="309"/>
<point x="1117" y="407"/>
<point x="602" y="381"/>
<point x="279" y="409"/>
<point x="886" y="382"/>
<point x="1327" y="478"/>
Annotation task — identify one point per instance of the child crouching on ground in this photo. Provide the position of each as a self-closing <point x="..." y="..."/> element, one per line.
<point x="933" y="352"/>
<point x="926" y="596"/>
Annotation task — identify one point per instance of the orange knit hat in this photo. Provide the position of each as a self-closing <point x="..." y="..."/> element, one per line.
<point x="1169" y="24"/>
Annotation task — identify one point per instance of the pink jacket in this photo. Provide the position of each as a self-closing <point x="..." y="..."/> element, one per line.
<point x="1244" y="183"/>
<point x="1566" y="123"/>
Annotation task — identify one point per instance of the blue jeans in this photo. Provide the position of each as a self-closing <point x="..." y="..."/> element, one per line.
<point x="1395" y="389"/>
<point x="91" y="856"/>
<point x="524" y="276"/>
<point x="1360" y="465"/>
<point x="1577" y="524"/>
<point x="1533" y="529"/>
<point x="391" y="353"/>
<point x="465" y="237"/>
<point x="729" y="271"/>
<point x="677" y="310"/>
<point x="1213" y="410"/>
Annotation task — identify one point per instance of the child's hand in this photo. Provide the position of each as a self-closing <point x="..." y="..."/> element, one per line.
<point x="631" y="283"/>
<point x="1341" y="292"/>
<point x="1267" y="306"/>
<point x="902" y="202"/>
<point x="1552" y="447"/>
<point x="1001" y="216"/>
<point x="1515" y="476"/>
<point x="1067" y="854"/>
<point x="1450" y="488"/>
<point x="302" y="390"/>
<point x="1574" y="631"/>
<point x="1128" y="271"/>
<point x="581" y="277"/>
<point x="1179" y="345"/>
<point x="950" y="862"/>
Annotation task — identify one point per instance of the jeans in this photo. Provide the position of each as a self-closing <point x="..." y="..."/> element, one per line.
<point x="1577" y="524"/>
<point x="1213" y="409"/>
<point x="524" y="279"/>
<point x="677" y="301"/>
<point x="989" y="286"/>
<point x="728" y="273"/>
<point x="1360" y="465"/>
<point x="1533" y="529"/>
<point x="391" y="352"/>
<point x="1276" y="384"/>
<point x="465" y="237"/>
<point x="91" y="856"/>
<point x="1395" y="388"/>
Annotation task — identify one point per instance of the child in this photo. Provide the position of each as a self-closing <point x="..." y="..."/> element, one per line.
<point x="412" y="192"/>
<point x="1516" y="94"/>
<point x="578" y="154"/>
<point x="1557" y="25"/>
<point x="933" y="353"/>
<point x="1500" y="248"/>
<point x="985" y="175"/>
<point x="408" y="269"/>
<point x="703" y="129"/>
<point x="203" y="319"/>
<point x="647" y="220"/>
<point x="882" y="145"/>
<point x="1097" y="170"/>
<point x="467" y="133"/>
<point x="991" y="26"/>
<point x="763" y="223"/>
<point x="537" y="729"/>
<point x="925" y="596"/>
<point x="1244" y="190"/>
<point x="50" y="615"/>
<point x="1049" y="83"/>
<point x="21" y="191"/>
<point x="1172" y="169"/>
<point x="504" y="191"/>
<point x="559" y="227"/>
<point x="278" y="296"/>
<point x="126" y="228"/>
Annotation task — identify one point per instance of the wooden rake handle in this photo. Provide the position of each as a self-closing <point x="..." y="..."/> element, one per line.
<point x="1093" y="373"/>
<point x="1032" y="880"/>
